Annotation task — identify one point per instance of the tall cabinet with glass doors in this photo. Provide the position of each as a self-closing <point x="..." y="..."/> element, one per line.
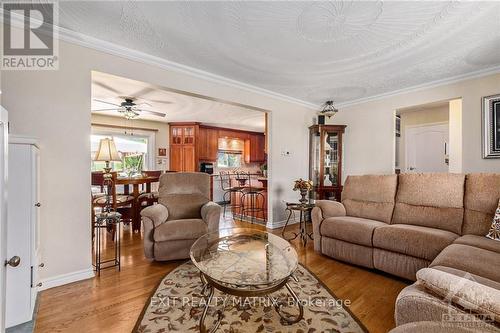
<point x="325" y="161"/>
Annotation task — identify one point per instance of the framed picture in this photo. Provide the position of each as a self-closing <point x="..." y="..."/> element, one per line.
<point x="491" y="126"/>
<point x="162" y="151"/>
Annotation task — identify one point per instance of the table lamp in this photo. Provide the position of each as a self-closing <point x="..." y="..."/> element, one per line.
<point x="107" y="153"/>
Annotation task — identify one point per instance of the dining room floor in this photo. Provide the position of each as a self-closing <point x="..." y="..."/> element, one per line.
<point x="113" y="301"/>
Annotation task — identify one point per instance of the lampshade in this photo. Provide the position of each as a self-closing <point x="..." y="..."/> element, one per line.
<point x="328" y="109"/>
<point x="107" y="151"/>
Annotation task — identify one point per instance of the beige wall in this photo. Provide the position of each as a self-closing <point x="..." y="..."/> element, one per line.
<point x="419" y="117"/>
<point x="455" y="138"/>
<point x="370" y="139"/>
<point x="54" y="107"/>
<point x="161" y="132"/>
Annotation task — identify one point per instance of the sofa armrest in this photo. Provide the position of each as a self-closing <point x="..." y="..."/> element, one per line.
<point x="465" y="292"/>
<point x="152" y="217"/>
<point x="156" y="213"/>
<point x="316" y="218"/>
<point x="324" y="209"/>
<point x="331" y="208"/>
<point x="210" y="213"/>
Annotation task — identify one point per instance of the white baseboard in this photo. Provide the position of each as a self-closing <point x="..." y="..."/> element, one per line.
<point x="279" y="224"/>
<point x="63" y="279"/>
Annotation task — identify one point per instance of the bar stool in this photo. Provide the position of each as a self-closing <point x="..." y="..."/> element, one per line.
<point x="253" y="199"/>
<point x="229" y="190"/>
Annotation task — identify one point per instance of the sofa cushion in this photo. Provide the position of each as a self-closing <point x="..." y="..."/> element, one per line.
<point x="480" y="242"/>
<point x="180" y="229"/>
<point x="482" y="192"/>
<point x="464" y="291"/>
<point x="470" y="259"/>
<point x="416" y="241"/>
<point x="477" y="278"/>
<point x="355" y="230"/>
<point x="432" y="327"/>
<point x="370" y="196"/>
<point x="432" y="200"/>
<point x="415" y="304"/>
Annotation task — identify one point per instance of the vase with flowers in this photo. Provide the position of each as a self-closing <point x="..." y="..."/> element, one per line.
<point x="304" y="186"/>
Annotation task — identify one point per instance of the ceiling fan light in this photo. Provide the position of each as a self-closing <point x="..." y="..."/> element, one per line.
<point x="130" y="114"/>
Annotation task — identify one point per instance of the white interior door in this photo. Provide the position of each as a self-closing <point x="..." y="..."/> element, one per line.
<point x="427" y="148"/>
<point x="3" y="212"/>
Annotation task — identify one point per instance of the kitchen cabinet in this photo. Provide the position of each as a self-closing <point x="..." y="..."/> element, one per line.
<point x="183" y="139"/>
<point x="192" y="143"/>
<point x="208" y="140"/>
<point x="255" y="148"/>
<point x="176" y="160"/>
<point x="189" y="157"/>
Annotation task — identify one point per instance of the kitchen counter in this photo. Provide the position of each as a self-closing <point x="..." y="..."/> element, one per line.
<point x="216" y="189"/>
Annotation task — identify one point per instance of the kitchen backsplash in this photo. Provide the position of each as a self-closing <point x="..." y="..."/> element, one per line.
<point x="248" y="167"/>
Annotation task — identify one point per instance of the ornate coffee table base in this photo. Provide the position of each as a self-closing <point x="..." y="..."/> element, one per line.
<point x="210" y="285"/>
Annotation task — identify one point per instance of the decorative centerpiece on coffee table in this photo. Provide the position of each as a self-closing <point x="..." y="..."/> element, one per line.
<point x="304" y="186"/>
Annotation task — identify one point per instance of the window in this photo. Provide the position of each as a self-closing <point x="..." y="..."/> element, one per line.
<point x="133" y="151"/>
<point x="228" y="159"/>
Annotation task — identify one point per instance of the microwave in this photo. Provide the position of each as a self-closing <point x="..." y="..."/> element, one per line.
<point x="207" y="168"/>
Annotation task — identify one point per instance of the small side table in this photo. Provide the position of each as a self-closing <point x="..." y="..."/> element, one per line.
<point x="102" y="222"/>
<point x="305" y="210"/>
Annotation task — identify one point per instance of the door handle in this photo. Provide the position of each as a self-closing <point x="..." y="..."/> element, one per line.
<point x="38" y="204"/>
<point x="13" y="262"/>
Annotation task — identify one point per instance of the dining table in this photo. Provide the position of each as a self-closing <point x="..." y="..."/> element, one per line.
<point x="135" y="182"/>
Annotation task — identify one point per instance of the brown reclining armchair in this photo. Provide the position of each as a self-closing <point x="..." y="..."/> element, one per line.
<point x="184" y="213"/>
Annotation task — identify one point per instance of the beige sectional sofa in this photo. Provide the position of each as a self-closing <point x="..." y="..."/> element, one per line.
<point x="402" y="224"/>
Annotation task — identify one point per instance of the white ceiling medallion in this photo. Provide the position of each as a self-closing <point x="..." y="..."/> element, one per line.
<point x="328" y="22"/>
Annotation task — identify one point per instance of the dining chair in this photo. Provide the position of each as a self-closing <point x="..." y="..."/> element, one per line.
<point x="97" y="188"/>
<point x="123" y="203"/>
<point x="149" y="198"/>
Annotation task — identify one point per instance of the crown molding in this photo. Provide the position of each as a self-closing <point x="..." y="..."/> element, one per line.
<point x="428" y="85"/>
<point x="148" y="59"/>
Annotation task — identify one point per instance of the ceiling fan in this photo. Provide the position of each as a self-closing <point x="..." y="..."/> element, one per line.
<point x="129" y="109"/>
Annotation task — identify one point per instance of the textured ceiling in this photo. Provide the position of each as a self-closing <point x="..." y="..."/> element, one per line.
<point x="110" y="88"/>
<point x="312" y="51"/>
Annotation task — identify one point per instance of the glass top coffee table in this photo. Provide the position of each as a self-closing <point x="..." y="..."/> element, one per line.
<point x="245" y="263"/>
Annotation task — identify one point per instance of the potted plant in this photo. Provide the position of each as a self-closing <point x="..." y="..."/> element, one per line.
<point x="304" y="186"/>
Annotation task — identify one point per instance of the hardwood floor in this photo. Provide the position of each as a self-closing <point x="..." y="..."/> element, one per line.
<point x="113" y="301"/>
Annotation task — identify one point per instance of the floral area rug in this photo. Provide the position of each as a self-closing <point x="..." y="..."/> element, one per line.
<point x="177" y="305"/>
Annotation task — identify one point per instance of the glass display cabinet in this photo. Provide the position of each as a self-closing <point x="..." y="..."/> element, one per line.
<point x="325" y="161"/>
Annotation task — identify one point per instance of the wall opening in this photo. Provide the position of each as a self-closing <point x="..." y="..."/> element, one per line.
<point x="429" y="137"/>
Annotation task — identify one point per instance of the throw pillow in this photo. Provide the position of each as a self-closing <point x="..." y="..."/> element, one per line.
<point x="494" y="232"/>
